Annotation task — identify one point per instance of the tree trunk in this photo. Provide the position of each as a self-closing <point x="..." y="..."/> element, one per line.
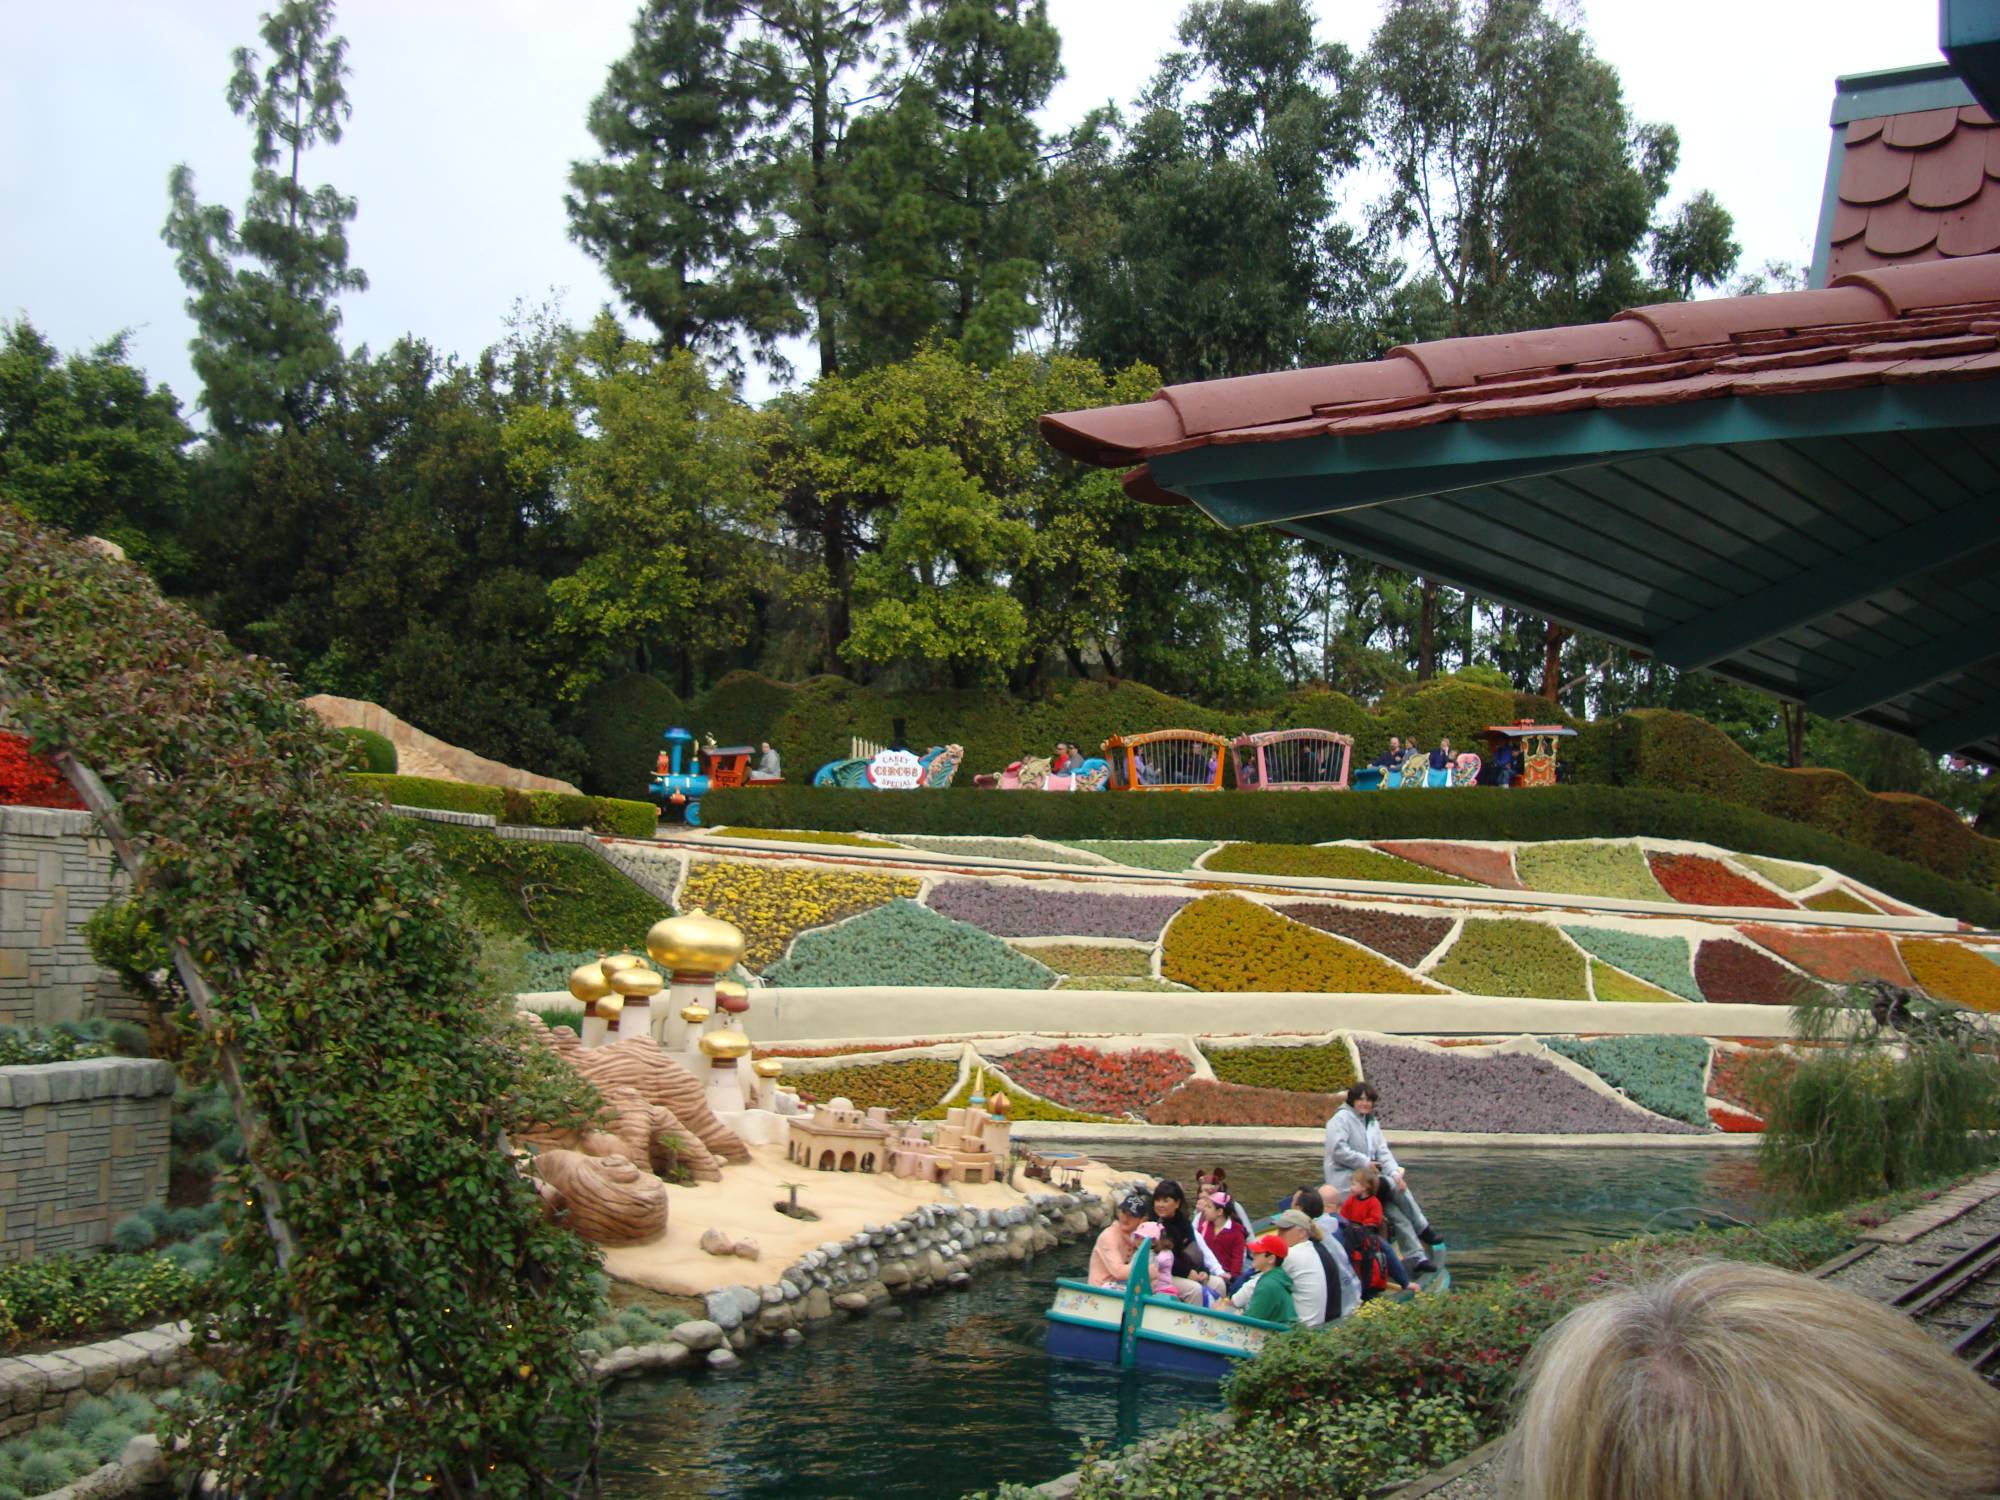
<point x="1794" y="715"/>
<point x="833" y="544"/>
<point x="1427" y="632"/>
<point x="1553" y="636"/>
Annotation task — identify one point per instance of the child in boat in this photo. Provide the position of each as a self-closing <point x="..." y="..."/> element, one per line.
<point x="1375" y="1263"/>
<point x="1162" y="1263"/>
<point x="1268" y="1294"/>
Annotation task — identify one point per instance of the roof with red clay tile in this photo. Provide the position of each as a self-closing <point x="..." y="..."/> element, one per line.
<point x="1917" y="186"/>
<point x="1927" y="321"/>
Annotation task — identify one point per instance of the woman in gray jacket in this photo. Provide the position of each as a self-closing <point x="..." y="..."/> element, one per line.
<point x="1354" y="1140"/>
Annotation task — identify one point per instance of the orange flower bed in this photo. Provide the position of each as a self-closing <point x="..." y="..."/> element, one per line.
<point x="1734" y="1121"/>
<point x="1952" y="971"/>
<point x="1706" y="882"/>
<point x="1494" y="867"/>
<point x="1843" y="957"/>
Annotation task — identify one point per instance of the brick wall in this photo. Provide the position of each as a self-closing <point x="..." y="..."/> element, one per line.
<point x="38" y="1388"/>
<point x="55" y="871"/>
<point x="82" y="1144"/>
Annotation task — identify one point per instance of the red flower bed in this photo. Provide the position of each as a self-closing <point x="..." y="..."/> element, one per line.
<point x="1730" y="1075"/>
<point x="1706" y="882"/>
<point x="1843" y="957"/>
<point x="31" y="780"/>
<point x="1734" y="1121"/>
<point x="1494" y="867"/>
<point x="1732" y="973"/>
<point x="1206" y="1101"/>
<point x="1100" y="1083"/>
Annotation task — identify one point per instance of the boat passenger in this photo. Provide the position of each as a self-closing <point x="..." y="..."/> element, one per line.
<point x="1376" y="1264"/>
<point x="1118" y="1242"/>
<point x="1354" y="1139"/>
<point x="1306" y="1262"/>
<point x="1218" y="1181"/>
<point x="1194" y="1264"/>
<point x="1268" y="1294"/>
<point x="1221" y="1234"/>
<point x="1161" y="1264"/>
<point x="1335" y="1249"/>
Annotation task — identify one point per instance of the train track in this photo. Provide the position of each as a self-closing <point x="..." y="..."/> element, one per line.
<point x="1954" y="1290"/>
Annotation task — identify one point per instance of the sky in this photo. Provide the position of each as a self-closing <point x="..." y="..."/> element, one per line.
<point x="467" y="114"/>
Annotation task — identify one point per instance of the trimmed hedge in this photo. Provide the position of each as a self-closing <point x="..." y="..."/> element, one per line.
<point x="621" y="728"/>
<point x="632" y="820"/>
<point x="1484" y="813"/>
<point x="369" y="751"/>
<point x="70" y="1297"/>
<point x="426" y="791"/>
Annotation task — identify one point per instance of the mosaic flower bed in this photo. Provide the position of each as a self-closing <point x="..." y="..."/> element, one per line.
<point x="31" y="780"/>
<point x="1120" y="982"/>
<point x="1494" y="867"/>
<point x="1317" y="1068"/>
<point x="1101" y="1082"/>
<point x="1087" y="958"/>
<point x="1842" y="957"/>
<point x="1174" y="856"/>
<point x="1738" y="1078"/>
<point x="906" y="1088"/>
<point x="907" y="944"/>
<point x="775" y="903"/>
<point x="1406" y="939"/>
<point x="1697" y="881"/>
<point x="1840" y="899"/>
<point x="1732" y="973"/>
<point x="1024" y="849"/>
<point x="1782" y="873"/>
<point x="1664" y="961"/>
<point x="1506" y="1094"/>
<point x="989" y="1080"/>
<point x="1734" y="1121"/>
<point x="1618" y="870"/>
<point x="1526" y="959"/>
<point x="1326" y="862"/>
<point x="1053" y="910"/>
<point x="1203" y="1101"/>
<point x="1952" y="971"/>
<point x="1616" y="987"/>
<point x="808" y="836"/>
<point x="1664" y="1073"/>
<point x="1224" y="943"/>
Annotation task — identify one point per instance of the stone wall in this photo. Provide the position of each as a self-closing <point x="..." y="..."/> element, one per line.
<point x="36" y="1388"/>
<point x="82" y="1144"/>
<point x="55" y="871"/>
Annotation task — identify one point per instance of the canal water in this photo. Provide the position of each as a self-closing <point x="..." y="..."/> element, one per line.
<point x="955" y="1394"/>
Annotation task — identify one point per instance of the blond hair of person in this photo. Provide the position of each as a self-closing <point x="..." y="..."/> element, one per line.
<point x="1741" y="1382"/>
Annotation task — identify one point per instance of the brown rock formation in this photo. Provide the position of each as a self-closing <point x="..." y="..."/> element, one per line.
<point x="606" y="1199"/>
<point x="638" y="1063"/>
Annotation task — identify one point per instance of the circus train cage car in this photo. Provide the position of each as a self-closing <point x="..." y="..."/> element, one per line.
<point x="1292" y="760"/>
<point x="1167" y="760"/>
<point x="1534" y="748"/>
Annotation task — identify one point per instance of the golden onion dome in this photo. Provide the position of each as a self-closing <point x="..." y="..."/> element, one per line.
<point x="731" y="997"/>
<point x="618" y="961"/>
<point x="609" y="1007"/>
<point x="589" y="982"/>
<point x="998" y="1106"/>
<point x="694" y="1015"/>
<point x="726" y="1044"/>
<point x="768" y="1067"/>
<point x="637" y="983"/>
<point x="695" y="943"/>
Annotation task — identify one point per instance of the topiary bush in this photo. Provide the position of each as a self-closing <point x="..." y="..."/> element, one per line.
<point x="1664" y="1073"/>
<point x="1311" y="1068"/>
<point x="775" y="903"/>
<point x="429" y="792"/>
<point x="369" y="751"/>
<point x="1663" y="961"/>
<point x="1327" y="862"/>
<point x="907" y="944"/>
<point x="621" y="727"/>
<point x="1512" y="957"/>
<point x="1225" y="943"/>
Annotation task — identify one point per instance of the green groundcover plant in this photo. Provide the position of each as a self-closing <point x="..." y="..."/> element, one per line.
<point x="390" y="1299"/>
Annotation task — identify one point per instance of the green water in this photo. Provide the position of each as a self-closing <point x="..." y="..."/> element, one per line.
<point x="956" y="1394"/>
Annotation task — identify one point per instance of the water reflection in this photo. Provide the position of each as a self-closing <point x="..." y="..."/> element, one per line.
<point x="957" y="1393"/>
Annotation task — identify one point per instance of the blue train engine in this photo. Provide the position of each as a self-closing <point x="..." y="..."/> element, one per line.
<point x="678" y="782"/>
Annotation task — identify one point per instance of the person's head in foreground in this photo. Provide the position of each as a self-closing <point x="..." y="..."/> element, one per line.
<point x="1741" y="1382"/>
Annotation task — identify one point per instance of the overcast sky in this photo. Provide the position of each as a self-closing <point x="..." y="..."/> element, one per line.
<point x="467" y="114"/>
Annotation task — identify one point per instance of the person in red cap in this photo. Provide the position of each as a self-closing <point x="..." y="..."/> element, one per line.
<point x="1269" y="1293"/>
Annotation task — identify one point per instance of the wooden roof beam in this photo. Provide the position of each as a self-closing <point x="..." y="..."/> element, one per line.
<point x="1960" y="650"/>
<point x="1948" y="735"/>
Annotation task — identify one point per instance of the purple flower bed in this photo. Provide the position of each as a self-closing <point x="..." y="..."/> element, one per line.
<point x="1504" y="1095"/>
<point x="1060" y="911"/>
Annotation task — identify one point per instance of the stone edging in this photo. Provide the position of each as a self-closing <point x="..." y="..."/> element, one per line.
<point x="37" y="1386"/>
<point x="84" y="1078"/>
<point x="937" y="1246"/>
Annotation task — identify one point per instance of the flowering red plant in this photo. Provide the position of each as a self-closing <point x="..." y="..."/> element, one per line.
<point x="1707" y="882"/>
<point x="1734" y="1121"/>
<point x="31" y="780"/>
<point x="1104" y="1083"/>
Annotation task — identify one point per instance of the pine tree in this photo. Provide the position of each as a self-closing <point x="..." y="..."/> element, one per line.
<point x="266" y="343"/>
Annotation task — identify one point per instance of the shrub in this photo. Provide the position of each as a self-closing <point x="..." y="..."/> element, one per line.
<point x="427" y="791"/>
<point x="1102" y="1082"/>
<point x="1697" y="881"/>
<point x="1513" y="957"/>
<point x="774" y="903"/>
<point x="1224" y="943"/>
<point x="1202" y="1101"/>
<point x="1662" y="961"/>
<point x="1616" y="987"/>
<point x="1006" y="909"/>
<point x="1018" y="849"/>
<point x="132" y="1233"/>
<point x="31" y="780"/>
<point x="621" y="728"/>
<point x="1086" y="960"/>
<point x="27" y="1046"/>
<point x="1733" y="973"/>
<point x="66" y="1297"/>
<point x="1172" y="856"/>
<point x="1952" y="971"/>
<point x="1483" y="813"/>
<point x="1406" y="939"/>
<point x="1481" y="866"/>
<point x="1842" y="957"/>
<point x="905" y="1088"/>
<point x="1506" y="1093"/>
<point x="1840" y="899"/>
<point x="559" y="897"/>
<point x="1311" y="1068"/>
<point x="544" y="809"/>
<point x="369" y="751"/>
<point x="1785" y="875"/>
<point x="1328" y="862"/>
<point x="907" y="944"/>
<point x="1618" y="870"/>
<point x="809" y="836"/>
<point x="1664" y="1073"/>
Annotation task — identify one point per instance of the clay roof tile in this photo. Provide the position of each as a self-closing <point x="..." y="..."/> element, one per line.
<point x="1864" y="130"/>
<point x="1545" y="404"/>
<point x="1874" y="172"/>
<point x="1850" y="221"/>
<point x="1285" y="395"/>
<point x="1845" y="375"/>
<point x="1899" y="227"/>
<point x="1108" y="435"/>
<point x="1974" y="228"/>
<point x="1684" y="324"/>
<point x="1454" y="363"/>
<point x="1974" y="114"/>
<point x="1393" y="421"/>
<point x="1926" y="285"/>
<point x="1924" y="127"/>
<point x="1667" y="392"/>
<point x="1952" y="173"/>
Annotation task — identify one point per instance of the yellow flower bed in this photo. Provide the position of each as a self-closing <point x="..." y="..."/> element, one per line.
<point x="773" y="904"/>
<point x="1224" y="943"/>
<point x="1952" y="971"/>
<point x="1617" y="985"/>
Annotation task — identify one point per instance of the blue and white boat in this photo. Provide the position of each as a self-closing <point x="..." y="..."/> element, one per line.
<point x="1140" y="1330"/>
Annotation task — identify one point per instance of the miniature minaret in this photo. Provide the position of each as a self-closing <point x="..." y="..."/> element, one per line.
<point x="692" y="950"/>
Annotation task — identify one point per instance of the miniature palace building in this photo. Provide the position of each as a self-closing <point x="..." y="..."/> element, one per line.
<point x="971" y="1145"/>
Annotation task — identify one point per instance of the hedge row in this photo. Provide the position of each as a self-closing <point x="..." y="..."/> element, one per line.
<point x="632" y="820"/>
<point x="1562" y="812"/>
